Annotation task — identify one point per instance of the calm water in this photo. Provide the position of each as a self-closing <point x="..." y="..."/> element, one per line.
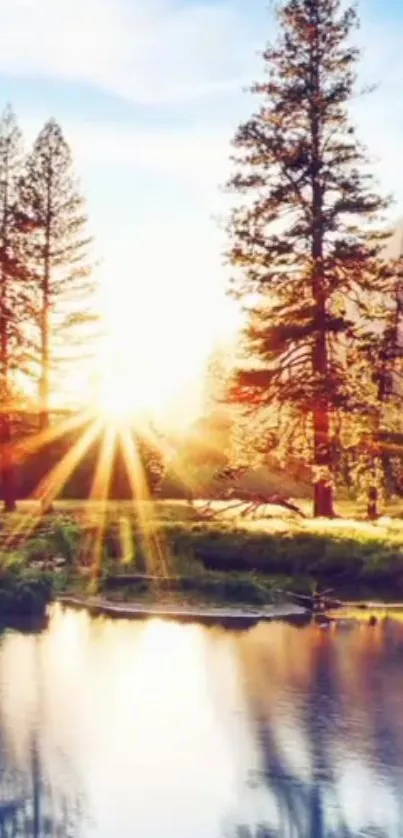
<point x="114" y="729"/>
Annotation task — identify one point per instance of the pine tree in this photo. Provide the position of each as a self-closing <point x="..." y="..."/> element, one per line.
<point x="58" y="247"/>
<point x="304" y="245"/>
<point x="13" y="292"/>
<point x="384" y="353"/>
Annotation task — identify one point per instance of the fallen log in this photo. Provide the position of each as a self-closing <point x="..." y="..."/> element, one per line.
<point x="253" y="498"/>
<point x="316" y="602"/>
<point x="253" y="504"/>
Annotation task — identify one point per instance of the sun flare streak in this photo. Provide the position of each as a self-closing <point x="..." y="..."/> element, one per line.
<point x="155" y="547"/>
<point x="53" y="482"/>
<point x="30" y="445"/>
<point x="171" y="459"/>
<point x="56" y="479"/>
<point x="100" y="492"/>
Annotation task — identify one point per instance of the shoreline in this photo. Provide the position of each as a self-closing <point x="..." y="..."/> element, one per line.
<point x="235" y="619"/>
<point x="226" y="617"/>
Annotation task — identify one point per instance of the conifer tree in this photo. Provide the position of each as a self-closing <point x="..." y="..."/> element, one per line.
<point x="384" y="353"/>
<point x="58" y="246"/>
<point x="304" y="241"/>
<point x="13" y="292"/>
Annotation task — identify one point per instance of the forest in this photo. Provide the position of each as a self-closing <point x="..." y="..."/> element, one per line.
<point x="312" y="390"/>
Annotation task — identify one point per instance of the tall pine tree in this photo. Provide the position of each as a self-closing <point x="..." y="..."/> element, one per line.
<point x="58" y="245"/>
<point x="303" y="244"/>
<point x="13" y="292"/>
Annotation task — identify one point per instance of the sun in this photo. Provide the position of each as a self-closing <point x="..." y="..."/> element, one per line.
<point x="133" y="382"/>
<point x="129" y="389"/>
<point x="119" y="398"/>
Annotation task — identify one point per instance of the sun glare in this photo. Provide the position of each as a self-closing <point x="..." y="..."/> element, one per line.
<point x="130" y="388"/>
<point x="151" y="360"/>
<point x="121" y="395"/>
<point x="116" y="400"/>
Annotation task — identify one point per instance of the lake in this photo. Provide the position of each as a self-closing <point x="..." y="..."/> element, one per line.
<point x="113" y="729"/>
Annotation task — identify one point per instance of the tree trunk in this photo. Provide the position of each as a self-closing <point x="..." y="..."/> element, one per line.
<point x="44" y="387"/>
<point x="374" y="494"/>
<point x="323" y="488"/>
<point x="44" y="380"/>
<point x="46" y="505"/>
<point x="44" y="393"/>
<point x="7" y="470"/>
<point x="383" y="376"/>
<point x="322" y="453"/>
<point x="373" y="511"/>
<point x="7" y="466"/>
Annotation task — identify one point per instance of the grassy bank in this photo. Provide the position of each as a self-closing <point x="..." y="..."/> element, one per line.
<point x="225" y="560"/>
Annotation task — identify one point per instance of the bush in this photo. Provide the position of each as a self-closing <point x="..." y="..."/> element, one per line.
<point x="24" y="592"/>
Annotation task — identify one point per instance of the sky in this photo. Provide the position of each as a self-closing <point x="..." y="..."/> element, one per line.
<point x="149" y="93"/>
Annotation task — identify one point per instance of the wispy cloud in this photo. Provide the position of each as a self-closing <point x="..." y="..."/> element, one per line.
<point x="148" y="51"/>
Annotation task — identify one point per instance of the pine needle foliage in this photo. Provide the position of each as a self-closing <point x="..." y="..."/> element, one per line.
<point x="305" y="243"/>
<point x="59" y="245"/>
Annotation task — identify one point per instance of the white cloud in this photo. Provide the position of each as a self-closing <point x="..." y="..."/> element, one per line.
<point x="145" y="50"/>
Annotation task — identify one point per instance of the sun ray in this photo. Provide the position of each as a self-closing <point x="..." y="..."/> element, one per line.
<point x="49" y="487"/>
<point x="54" y="481"/>
<point x="126" y="539"/>
<point x="25" y="447"/>
<point x="169" y="453"/>
<point x="100" y="492"/>
<point x="155" y="546"/>
<point x="20" y="450"/>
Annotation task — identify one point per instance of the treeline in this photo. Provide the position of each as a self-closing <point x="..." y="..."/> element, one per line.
<point x="319" y="374"/>
<point x="276" y="449"/>
<point x="45" y="287"/>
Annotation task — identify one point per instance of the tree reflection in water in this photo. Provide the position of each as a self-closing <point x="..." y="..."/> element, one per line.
<point x="31" y="805"/>
<point x="302" y="806"/>
<point x="310" y="803"/>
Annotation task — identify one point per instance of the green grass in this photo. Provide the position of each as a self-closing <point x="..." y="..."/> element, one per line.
<point x="228" y="559"/>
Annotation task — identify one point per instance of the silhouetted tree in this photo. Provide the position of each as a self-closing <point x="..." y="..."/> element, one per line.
<point x="59" y="244"/>
<point x="304" y="245"/>
<point x="13" y="291"/>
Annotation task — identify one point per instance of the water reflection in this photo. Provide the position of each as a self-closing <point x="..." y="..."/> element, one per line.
<point x="38" y="796"/>
<point x="340" y="772"/>
<point x="115" y="728"/>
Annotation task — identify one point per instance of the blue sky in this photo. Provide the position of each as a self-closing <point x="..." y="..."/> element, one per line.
<point x="149" y="93"/>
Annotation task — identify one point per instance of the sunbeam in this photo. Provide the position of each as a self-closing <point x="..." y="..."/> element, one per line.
<point x="29" y="445"/>
<point x="155" y="546"/>
<point x="54" y="481"/>
<point x="49" y="487"/>
<point x="100" y="492"/>
<point x="169" y="454"/>
<point x="126" y="539"/>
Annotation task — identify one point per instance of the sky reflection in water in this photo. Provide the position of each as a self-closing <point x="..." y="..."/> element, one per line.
<point x="112" y="728"/>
